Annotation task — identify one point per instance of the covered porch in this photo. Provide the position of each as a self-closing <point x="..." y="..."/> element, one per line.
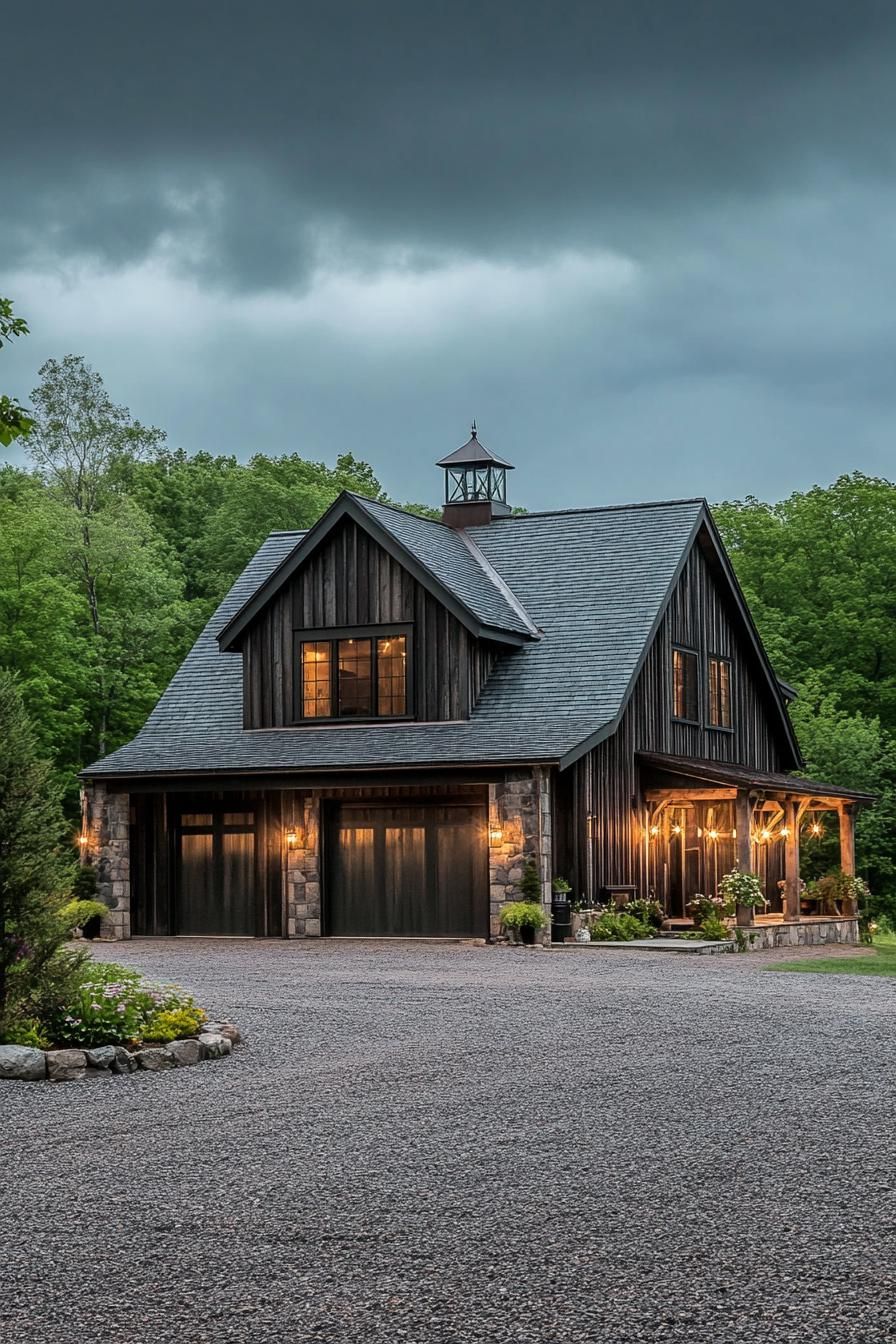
<point x="699" y="820"/>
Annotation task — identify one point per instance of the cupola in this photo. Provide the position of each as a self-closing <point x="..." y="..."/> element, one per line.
<point x="475" y="484"/>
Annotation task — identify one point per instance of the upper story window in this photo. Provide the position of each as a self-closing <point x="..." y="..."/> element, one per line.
<point x="719" y="691"/>
<point x="685" y="695"/>
<point x="361" y="675"/>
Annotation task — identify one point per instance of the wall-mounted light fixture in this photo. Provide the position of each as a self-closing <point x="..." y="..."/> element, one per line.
<point x="495" y="835"/>
<point x="83" y="839"/>
<point x="654" y="832"/>
<point x="291" y="836"/>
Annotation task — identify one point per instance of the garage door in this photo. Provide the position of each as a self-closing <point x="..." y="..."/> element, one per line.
<point x="215" y="871"/>
<point x="410" y="871"/>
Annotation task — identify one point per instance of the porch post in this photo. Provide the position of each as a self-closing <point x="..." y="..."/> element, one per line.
<point x="792" y="860"/>
<point x="847" y="815"/>
<point x="743" y="818"/>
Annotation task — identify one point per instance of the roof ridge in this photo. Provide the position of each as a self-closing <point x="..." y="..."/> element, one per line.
<point x="597" y="508"/>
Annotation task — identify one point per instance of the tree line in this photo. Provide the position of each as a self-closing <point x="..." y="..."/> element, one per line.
<point x="116" y="548"/>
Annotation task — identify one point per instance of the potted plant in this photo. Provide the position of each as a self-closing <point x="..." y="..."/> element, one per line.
<point x="737" y="888"/>
<point x="561" y="888"/>
<point x="84" y="917"/>
<point x="523" y="918"/>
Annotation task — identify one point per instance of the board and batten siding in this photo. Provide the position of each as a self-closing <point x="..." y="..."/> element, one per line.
<point x="352" y="581"/>
<point x="608" y="844"/>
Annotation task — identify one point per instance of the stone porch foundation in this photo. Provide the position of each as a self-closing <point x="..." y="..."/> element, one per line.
<point x="806" y="933"/>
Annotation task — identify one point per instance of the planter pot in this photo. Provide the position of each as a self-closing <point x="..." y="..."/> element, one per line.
<point x="92" y="927"/>
<point x="527" y="936"/>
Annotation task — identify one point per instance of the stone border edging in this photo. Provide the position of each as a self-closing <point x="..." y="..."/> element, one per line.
<point x="25" y="1063"/>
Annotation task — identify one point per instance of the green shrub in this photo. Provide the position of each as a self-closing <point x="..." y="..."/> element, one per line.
<point x="173" y="1023"/>
<point x="84" y="886"/>
<point x="713" y="930"/>
<point x="648" y="911"/>
<point x="530" y="884"/>
<point x="26" y="1031"/>
<point x="517" y="915"/>
<point x="619" y="926"/>
<point x="77" y="913"/>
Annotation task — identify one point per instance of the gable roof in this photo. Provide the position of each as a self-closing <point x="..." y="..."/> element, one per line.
<point x="445" y="562"/>
<point x="594" y="582"/>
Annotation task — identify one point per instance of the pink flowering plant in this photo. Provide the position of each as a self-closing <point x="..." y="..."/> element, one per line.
<point x="710" y="907"/>
<point x="111" y="1005"/>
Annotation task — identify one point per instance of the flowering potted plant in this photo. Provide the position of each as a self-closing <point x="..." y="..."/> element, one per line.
<point x="739" y="888"/>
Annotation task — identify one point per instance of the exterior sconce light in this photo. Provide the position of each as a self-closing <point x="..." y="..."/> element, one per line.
<point x="765" y="835"/>
<point x="712" y="835"/>
<point x="495" y="835"/>
<point x="784" y="832"/>
<point x="292" y="838"/>
<point x="83" y="839"/>
<point x="654" y="832"/>
<point x="676" y="829"/>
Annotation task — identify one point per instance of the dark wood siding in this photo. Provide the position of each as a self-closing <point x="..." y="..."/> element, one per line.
<point x="352" y="581"/>
<point x="606" y="844"/>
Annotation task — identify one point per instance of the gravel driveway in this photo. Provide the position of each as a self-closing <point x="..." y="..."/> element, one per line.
<point x="440" y="1143"/>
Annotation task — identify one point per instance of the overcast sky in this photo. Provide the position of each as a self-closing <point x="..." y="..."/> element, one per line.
<point x="649" y="246"/>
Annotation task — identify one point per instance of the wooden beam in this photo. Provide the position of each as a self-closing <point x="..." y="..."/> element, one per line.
<point x="792" y="861"/>
<point x="689" y="795"/>
<point x="743" y="824"/>
<point x="847" y="815"/>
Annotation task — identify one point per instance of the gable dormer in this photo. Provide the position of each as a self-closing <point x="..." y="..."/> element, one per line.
<point x="376" y="616"/>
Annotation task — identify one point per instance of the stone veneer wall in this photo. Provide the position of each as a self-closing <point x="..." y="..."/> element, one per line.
<point x="520" y="808"/>
<point x="303" y="872"/>
<point x="814" y="933"/>
<point x="105" y="820"/>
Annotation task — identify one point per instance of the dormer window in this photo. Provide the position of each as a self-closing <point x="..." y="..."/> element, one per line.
<point x="359" y="674"/>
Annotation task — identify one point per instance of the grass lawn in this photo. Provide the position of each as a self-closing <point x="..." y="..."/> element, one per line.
<point x="881" y="960"/>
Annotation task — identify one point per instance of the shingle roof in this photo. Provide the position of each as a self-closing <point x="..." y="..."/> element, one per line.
<point x="720" y="772"/>
<point x="593" y="581"/>
<point x="457" y="562"/>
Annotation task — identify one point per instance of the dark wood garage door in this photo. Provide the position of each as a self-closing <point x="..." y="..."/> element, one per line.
<point x="406" y="871"/>
<point x="215" y="867"/>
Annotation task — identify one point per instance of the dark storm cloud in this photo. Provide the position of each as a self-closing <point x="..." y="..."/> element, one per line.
<point x="648" y="244"/>
<point x="234" y="131"/>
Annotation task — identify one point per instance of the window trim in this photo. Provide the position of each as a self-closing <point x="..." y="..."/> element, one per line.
<point x="695" y="654"/>
<point x="332" y="635"/>
<point x="720" y="727"/>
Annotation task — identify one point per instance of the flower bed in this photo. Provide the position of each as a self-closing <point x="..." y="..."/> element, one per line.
<point x="101" y="1016"/>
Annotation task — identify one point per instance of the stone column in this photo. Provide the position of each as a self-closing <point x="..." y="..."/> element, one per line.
<point x="303" y="871"/>
<point x="743" y="824"/>
<point x="105" y="825"/>
<point x="792" y="861"/>
<point x="519" y="829"/>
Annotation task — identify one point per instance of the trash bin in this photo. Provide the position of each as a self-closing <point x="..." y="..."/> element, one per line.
<point x="561" y="920"/>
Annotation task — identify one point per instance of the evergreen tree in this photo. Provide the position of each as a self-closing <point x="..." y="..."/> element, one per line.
<point x="35" y="875"/>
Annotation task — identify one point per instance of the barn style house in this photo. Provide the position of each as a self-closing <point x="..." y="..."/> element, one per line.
<point x="389" y="715"/>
